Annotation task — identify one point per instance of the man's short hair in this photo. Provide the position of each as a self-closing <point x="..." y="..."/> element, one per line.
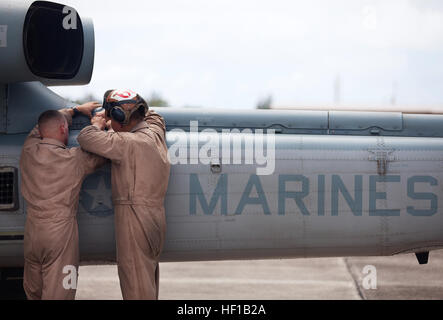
<point x="50" y="116"/>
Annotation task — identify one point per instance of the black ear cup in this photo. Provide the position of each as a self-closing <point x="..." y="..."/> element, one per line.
<point x="118" y="115"/>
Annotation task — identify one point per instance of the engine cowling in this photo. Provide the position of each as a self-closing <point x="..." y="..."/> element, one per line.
<point x="45" y="41"/>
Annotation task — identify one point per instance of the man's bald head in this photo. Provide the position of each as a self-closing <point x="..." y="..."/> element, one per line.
<point x="52" y="124"/>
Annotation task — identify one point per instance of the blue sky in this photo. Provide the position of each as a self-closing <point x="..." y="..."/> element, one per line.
<point x="232" y="53"/>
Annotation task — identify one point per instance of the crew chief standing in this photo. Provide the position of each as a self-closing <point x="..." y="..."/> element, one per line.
<point x="51" y="178"/>
<point x="140" y="173"/>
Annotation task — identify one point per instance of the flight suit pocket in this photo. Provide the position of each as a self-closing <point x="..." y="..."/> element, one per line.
<point x="153" y="224"/>
<point x="157" y="233"/>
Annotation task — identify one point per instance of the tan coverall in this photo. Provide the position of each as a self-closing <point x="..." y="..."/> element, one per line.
<point x="140" y="174"/>
<point x="51" y="178"/>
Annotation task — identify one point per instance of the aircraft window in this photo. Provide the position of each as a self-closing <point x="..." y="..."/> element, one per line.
<point x="52" y="51"/>
<point x="8" y="189"/>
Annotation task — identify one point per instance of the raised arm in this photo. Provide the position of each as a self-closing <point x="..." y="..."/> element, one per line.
<point x="156" y="122"/>
<point x="34" y="134"/>
<point x="89" y="161"/>
<point x="68" y="113"/>
<point x="106" y="144"/>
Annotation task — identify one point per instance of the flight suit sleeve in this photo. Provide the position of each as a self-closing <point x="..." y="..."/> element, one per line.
<point x="89" y="162"/>
<point x="67" y="114"/>
<point x="110" y="145"/>
<point x="156" y="123"/>
<point x="33" y="136"/>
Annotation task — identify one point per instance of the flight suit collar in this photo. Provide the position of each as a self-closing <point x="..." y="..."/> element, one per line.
<point x="53" y="142"/>
<point x="139" y="126"/>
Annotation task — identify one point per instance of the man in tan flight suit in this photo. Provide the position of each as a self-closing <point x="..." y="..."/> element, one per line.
<point x="140" y="173"/>
<point x="52" y="176"/>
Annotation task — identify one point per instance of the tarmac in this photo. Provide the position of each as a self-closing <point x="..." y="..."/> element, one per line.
<point x="355" y="278"/>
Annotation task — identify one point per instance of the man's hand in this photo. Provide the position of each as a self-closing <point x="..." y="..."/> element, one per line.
<point x="109" y="125"/>
<point x="88" y="107"/>
<point x="101" y="114"/>
<point x="99" y="122"/>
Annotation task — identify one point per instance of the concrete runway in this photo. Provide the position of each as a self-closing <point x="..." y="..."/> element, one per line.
<point x="398" y="277"/>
